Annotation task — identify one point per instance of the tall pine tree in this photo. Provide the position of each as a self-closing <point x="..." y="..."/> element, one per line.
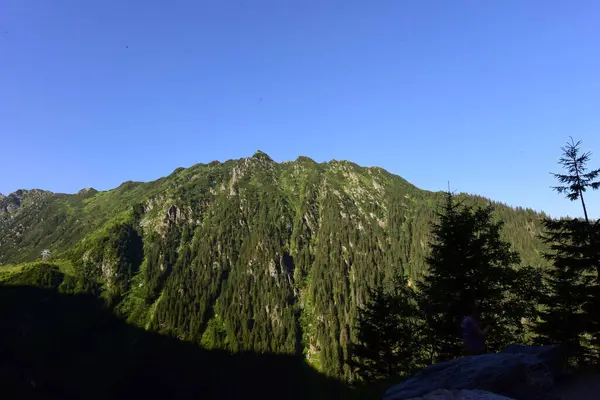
<point x="571" y="310"/>
<point x="471" y="265"/>
<point x="389" y="333"/>
<point x="577" y="179"/>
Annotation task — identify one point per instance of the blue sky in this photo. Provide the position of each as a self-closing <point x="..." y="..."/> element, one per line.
<point x="478" y="93"/>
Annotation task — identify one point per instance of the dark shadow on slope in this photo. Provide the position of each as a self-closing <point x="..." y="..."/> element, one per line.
<point x="55" y="346"/>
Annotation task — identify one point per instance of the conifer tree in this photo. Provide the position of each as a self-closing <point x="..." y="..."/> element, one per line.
<point x="470" y="265"/>
<point x="571" y="306"/>
<point x="389" y="332"/>
<point x="577" y="180"/>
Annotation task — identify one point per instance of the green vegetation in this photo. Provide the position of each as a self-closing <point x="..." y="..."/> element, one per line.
<point x="571" y="306"/>
<point x="246" y="255"/>
<point x="40" y="275"/>
<point x="390" y="334"/>
<point x="403" y="328"/>
<point x="470" y="265"/>
<point x="33" y="272"/>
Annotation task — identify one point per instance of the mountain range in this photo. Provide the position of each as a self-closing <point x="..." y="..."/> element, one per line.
<point x="242" y="255"/>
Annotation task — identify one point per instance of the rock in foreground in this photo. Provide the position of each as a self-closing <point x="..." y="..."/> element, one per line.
<point x="554" y="356"/>
<point x="519" y="376"/>
<point x="461" y="395"/>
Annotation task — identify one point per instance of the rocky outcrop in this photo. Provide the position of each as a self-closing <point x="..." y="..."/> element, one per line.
<point x="461" y="395"/>
<point x="554" y="356"/>
<point x="87" y="191"/>
<point x="525" y="375"/>
<point x="9" y="205"/>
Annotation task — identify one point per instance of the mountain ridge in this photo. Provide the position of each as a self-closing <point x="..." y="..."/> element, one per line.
<point x="87" y="190"/>
<point x="257" y="154"/>
<point x="10" y="203"/>
<point x="246" y="254"/>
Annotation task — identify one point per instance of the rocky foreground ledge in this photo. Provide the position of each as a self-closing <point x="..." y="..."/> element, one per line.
<point x="518" y="373"/>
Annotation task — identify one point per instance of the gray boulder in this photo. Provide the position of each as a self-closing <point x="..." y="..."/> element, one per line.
<point x="554" y="356"/>
<point x="520" y="376"/>
<point x="443" y="394"/>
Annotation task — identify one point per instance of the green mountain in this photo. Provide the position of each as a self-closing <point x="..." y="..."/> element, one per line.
<point x="245" y="255"/>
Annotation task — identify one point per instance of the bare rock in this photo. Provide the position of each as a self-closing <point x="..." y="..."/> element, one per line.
<point x="443" y="394"/>
<point x="554" y="356"/>
<point x="519" y="376"/>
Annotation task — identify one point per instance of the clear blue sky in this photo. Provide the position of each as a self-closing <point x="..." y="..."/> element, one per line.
<point x="478" y="93"/>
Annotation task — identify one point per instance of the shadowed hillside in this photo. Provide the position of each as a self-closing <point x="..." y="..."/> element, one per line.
<point x="55" y="346"/>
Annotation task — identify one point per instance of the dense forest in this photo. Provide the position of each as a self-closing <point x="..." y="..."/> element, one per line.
<point x="473" y="270"/>
<point x="286" y="258"/>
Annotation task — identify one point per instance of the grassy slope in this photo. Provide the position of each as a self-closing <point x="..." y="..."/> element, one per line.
<point x="10" y="271"/>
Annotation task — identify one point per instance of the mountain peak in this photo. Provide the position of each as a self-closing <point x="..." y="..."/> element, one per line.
<point x="304" y="159"/>
<point x="261" y="155"/>
<point x="19" y="193"/>
<point x="87" y="190"/>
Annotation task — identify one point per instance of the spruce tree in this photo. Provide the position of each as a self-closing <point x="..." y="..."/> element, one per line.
<point x="577" y="180"/>
<point x="389" y="332"/>
<point x="562" y="309"/>
<point x="471" y="265"/>
<point x="571" y="308"/>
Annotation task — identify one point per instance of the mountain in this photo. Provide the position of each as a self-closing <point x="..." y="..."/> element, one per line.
<point x="248" y="254"/>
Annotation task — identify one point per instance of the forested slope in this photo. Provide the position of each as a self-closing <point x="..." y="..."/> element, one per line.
<point x="243" y="255"/>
